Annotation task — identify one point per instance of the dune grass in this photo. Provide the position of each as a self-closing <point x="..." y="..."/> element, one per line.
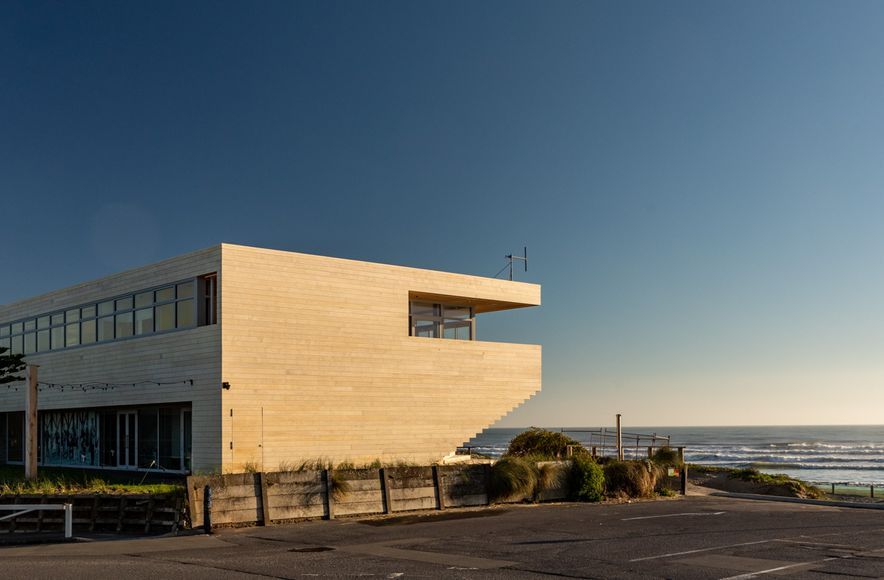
<point x="794" y="487"/>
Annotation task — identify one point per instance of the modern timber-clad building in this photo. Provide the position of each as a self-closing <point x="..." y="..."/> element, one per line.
<point x="236" y="356"/>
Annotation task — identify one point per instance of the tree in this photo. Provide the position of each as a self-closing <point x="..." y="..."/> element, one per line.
<point x="10" y="364"/>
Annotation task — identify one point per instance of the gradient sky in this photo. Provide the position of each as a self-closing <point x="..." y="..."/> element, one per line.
<point x="700" y="185"/>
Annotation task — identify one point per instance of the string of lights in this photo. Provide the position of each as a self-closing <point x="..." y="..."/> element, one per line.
<point x="98" y="385"/>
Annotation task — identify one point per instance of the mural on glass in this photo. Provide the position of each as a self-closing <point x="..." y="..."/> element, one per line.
<point x="69" y="437"/>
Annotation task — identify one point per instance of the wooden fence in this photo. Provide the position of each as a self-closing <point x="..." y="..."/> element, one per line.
<point x="130" y="513"/>
<point x="261" y="498"/>
<point x="264" y="498"/>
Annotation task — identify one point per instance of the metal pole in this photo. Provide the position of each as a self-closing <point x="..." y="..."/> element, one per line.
<point x="31" y="423"/>
<point x="619" y="439"/>
<point x="207" y="509"/>
<point x="68" y="520"/>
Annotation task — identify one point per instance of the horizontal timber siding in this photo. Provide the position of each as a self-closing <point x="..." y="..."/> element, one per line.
<point x="193" y="354"/>
<point x="320" y="363"/>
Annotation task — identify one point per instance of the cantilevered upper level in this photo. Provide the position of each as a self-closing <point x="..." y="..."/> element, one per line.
<point x="281" y="356"/>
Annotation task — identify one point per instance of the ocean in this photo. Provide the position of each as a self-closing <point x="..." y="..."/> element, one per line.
<point x="850" y="455"/>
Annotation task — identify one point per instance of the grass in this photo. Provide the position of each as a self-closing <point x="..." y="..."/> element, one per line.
<point x="631" y="478"/>
<point x="513" y="477"/>
<point x="795" y="487"/>
<point x="322" y="463"/>
<point x="54" y="480"/>
<point x="779" y="482"/>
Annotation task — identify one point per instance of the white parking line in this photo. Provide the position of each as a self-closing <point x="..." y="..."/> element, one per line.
<point x="793" y="538"/>
<point x="700" y="550"/>
<point x="673" y="516"/>
<point x="778" y="568"/>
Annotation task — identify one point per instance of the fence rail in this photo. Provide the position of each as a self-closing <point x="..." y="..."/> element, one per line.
<point x="21" y="509"/>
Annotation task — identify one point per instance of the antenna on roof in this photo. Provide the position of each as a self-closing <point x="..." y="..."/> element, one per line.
<point x="511" y="258"/>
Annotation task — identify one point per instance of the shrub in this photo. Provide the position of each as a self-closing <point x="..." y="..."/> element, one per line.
<point x="511" y="477"/>
<point x="541" y="443"/>
<point x="631" y="478"/>
<point x="586" y="479"/>
<point x="665" y="456"/>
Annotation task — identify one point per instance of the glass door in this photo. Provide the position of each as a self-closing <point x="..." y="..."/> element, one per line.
<point x="126" y="439"/>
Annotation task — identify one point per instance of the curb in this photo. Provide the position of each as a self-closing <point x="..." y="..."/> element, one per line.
<point x="844" y="504"/>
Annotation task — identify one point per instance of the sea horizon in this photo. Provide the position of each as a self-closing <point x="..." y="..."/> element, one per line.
<point x="822" y="454"/>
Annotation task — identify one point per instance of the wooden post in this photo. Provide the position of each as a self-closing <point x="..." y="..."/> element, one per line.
<point x="31" y="423"/>
<point x="329" y="493"/>
<point x="207" y="509"/>
<point x="440" y="491"/>
<point x="619" y="439"/>
<point x="265" y="502"/>
<point x="385" y="489"/>
<point x="681" y="455"/>
<point x="650" y="452"/>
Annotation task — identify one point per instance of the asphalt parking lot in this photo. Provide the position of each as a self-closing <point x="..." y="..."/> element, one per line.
<point x="693" y="537"/>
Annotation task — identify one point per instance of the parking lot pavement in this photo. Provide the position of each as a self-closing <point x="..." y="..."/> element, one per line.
<point x="693" y="537"/>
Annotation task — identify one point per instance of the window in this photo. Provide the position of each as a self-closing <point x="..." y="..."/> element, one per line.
<point x="57" y="337"/>
<point x="165" y="317"/>
<point x="178" y="306"/>
<point x="106" y="328"/>
<point x="124" y="324"/>
<point x="209" y="298"/>
<point x="165" y="294"/>
<point x="144" y="321"/>
<point x="30" y="343"/>
<point x="72" y="335"/>
<point x="434" y="320"/>
<point x="88" y="328"/>
<point x="43" y="341"/>
<point x="143" y="299"/>
<point x="147" y="438"/>
<point x="185" y="313"/>
<point x="15" y="431"/>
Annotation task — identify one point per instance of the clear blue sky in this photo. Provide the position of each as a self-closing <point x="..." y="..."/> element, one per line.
<point x="701" y="185"/>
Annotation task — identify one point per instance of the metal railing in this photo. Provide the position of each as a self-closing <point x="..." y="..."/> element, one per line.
<point x="21" y="509"/>
<point x="603" y="442"/>
<point x="856" y="490"/>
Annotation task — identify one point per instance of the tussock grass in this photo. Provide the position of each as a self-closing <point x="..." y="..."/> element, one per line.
<point x="513" y="477"/>
<point x="631" y="478"/>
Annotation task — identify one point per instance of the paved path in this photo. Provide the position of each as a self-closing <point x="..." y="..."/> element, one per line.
<point x="694" y="537"/>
